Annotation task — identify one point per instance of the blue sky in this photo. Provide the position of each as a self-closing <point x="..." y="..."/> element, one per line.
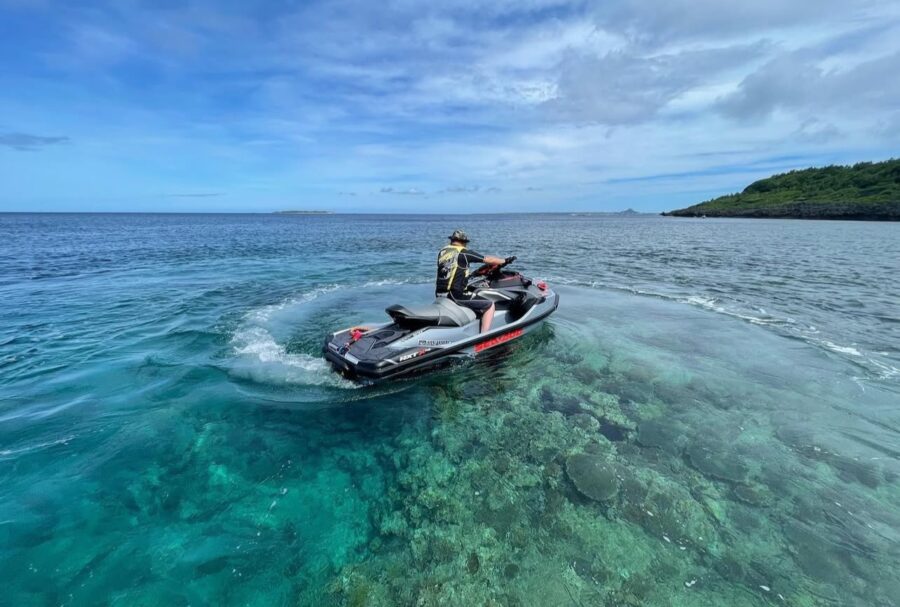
<point x="457" y="106"/>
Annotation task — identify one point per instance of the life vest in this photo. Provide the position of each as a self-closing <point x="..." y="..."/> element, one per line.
<point x="448" y="271"/>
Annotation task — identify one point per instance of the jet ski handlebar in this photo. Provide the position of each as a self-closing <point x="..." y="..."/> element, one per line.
<point x="491" y="268"/>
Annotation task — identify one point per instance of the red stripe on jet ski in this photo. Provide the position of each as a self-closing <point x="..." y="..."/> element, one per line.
<point x="496" y="341"/>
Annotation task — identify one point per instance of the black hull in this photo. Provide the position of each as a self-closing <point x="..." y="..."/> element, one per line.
<point x="376" y="371"/>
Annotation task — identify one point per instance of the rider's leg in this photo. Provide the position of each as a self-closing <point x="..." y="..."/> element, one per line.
<point x="486" y="319"/>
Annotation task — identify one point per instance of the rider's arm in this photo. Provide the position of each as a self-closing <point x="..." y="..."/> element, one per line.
<point x="473" y="257"/>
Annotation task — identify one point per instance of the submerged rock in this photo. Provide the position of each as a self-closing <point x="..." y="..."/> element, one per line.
<point x="510" y="570"/>
<point x="564" y="403"/>
<point x="593" y="476"/>
<point x="813" y="553"/>
<point x="613" y="432"/>
<point x="473" y="564"/>
<point x="854" y="470"/>
<point x="755" y="495"/>
<point x="665" y="435"/>
<point x="586" y="422"/>
<point x="585" y="374"/>
<point x="717" y="463"/>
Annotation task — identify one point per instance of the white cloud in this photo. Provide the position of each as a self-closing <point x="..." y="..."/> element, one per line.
<point x="624" y="87"/>
<point x="555" y="101"/>
<point x="714" y="20"/>
<point x="796" y="81"/>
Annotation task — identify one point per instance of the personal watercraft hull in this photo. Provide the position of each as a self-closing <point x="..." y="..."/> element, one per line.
<point x="418" y="341"/>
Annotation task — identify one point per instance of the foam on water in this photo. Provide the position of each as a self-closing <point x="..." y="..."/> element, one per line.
<point x="849" y="350"/>
<point x="12" y="453"/>
<point x="261" y="358"/>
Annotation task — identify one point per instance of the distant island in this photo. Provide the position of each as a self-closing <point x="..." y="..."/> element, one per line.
<point x="865" y="191"/>
<point x="303" y="212"/>
<point x="625" y="213"/>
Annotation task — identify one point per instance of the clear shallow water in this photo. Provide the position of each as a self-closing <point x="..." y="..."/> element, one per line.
<point x="169" y="434"/>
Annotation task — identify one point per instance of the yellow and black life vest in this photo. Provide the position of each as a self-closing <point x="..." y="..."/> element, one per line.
<point x="450" y="278"/>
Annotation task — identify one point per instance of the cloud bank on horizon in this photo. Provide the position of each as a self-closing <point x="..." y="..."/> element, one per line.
<point x="453" y="106"/>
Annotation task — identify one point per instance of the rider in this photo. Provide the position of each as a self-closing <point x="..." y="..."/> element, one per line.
<point x="453" y="265"/>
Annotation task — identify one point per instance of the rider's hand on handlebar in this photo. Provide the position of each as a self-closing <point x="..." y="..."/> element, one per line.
<point x="509" y="260"/>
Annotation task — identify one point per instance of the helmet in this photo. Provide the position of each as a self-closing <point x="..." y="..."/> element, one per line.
<point x="459" y="235"/>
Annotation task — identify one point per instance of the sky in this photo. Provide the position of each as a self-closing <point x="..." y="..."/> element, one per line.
<point x="434" y="107"/>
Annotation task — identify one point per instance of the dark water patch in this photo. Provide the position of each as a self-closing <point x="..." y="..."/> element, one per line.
<point x="564" y="403"/>
<point x="613" y="432"/>
<point x="812" y="553"/>
<point x="716" y="461"/>
<point x="473" y="564"/>
<point x="854" y="470"/>
<point x="665" y="434"/>
<point x="593" y="476"/>
<point x="873" y="445"/>
<point x="752" y="494"/>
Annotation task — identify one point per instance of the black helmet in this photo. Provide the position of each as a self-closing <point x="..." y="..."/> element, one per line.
<point x="459" y="236"/>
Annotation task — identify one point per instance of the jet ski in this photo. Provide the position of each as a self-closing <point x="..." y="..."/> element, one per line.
<point x="421" y="337"/>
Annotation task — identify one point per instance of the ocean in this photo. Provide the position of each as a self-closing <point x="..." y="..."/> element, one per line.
<point x="711" y="417"/>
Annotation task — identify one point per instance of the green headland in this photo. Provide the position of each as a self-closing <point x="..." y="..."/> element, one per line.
<point x="867" y="190"/>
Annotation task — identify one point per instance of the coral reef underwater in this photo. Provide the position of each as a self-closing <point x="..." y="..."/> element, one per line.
<point x="554" y="492"/>
<point x="591" y="464"/>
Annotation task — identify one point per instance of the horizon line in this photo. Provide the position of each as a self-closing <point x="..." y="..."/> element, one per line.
<point x="325" y="213"/>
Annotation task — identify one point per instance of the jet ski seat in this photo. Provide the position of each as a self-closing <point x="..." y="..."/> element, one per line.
<point x="442" y="313"/>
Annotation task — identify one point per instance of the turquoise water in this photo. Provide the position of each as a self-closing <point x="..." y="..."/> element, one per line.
<point x="711" y="417"/>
